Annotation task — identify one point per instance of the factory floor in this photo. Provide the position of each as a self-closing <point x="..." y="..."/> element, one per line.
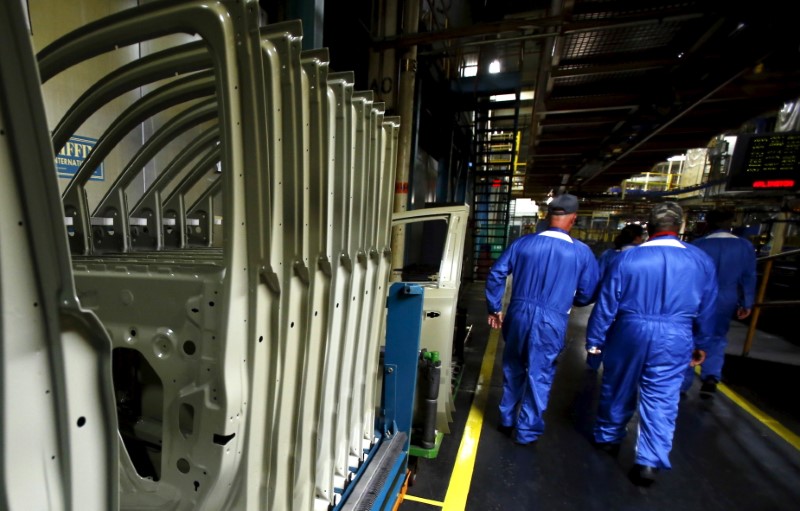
<point x="739" y="450"/>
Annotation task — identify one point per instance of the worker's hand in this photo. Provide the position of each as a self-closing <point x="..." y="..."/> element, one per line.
<point x="742" y="313"/>
<point x="698" y="357"/>
<point x="594" y="357"/>
<point x="496" y="320"/>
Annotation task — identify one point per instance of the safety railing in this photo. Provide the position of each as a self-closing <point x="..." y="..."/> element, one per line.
<point x="762" y="291"/>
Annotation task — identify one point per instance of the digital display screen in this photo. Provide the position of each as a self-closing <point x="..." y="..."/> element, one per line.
<point x="765" y="161"/>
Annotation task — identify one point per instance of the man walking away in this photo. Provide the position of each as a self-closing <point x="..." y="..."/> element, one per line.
<point x="632" y="235"/>
<point x="551" y="273"/>
<point x="735" y="260"/>
<point x="648" y="304"/>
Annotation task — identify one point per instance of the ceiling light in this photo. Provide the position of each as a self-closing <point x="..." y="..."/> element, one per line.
<point x="503" y="97"/>
<point x="494" y="67"/>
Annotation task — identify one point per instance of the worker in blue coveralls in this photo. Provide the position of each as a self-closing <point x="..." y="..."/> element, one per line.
<point x="630" y="236"/>
<point x="735" y="260"/>
<point x="551" y="272"/>
<point x="642" y="322"/>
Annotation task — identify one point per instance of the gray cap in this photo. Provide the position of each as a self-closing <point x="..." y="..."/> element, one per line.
<point x="563" y="205"/>
<point x="666" y="214"/>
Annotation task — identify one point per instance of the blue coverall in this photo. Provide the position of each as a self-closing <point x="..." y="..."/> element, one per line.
<point x="648" y="304"/>
<point x="551" y="271"/>
<point x="735" y="260"/>
<point x="604" y="261"/>
<point x="606" y="258"/>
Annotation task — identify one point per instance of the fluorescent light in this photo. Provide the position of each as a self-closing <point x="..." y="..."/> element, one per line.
<point x="494" y="67"/>
<point x="504" y="97"/>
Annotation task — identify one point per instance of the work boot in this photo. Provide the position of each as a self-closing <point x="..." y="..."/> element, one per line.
<point x="505" y="430"/>
<point x="642" y="475"/>
<point x="708" y="388"/>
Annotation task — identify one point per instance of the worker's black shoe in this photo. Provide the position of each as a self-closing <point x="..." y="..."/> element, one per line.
<point x="642" y="475"/>
<point x="506" y="430"/>
<point x="520" y="442"/>
<point x="708" y="388"/>
<point x="610" y="448"/>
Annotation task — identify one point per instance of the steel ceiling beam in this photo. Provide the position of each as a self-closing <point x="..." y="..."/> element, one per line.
<point x="674" y="118"/>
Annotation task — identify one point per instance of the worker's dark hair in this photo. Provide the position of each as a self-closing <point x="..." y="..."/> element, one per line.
<point x="626" y="236"/>
<point x="719" y="218"/>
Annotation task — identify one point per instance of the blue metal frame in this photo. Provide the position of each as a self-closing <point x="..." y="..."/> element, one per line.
<point x="378" y="481"/>
<point x="403" y="330"/>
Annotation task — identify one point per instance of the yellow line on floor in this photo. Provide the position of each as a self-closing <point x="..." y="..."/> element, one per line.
<point x="762" y="417"/>
<point x="461" y="478"/>
<point x="765" y="419"/>
<point x="429" y="502"/>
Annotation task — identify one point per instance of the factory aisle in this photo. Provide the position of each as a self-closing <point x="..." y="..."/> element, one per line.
<point x="737" y="451"/>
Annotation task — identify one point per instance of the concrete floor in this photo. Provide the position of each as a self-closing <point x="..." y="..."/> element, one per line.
<point x="738" y="451"/>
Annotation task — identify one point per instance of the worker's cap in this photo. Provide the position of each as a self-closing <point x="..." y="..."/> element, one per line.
<point x="666" y="214"/>
<point x="564" y="204"/>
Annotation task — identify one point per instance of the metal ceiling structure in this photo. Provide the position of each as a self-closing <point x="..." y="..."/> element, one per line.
<point x="619" y="85"/>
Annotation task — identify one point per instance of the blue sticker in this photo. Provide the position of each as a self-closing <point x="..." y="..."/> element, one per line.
<point x="71" y="157"/>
